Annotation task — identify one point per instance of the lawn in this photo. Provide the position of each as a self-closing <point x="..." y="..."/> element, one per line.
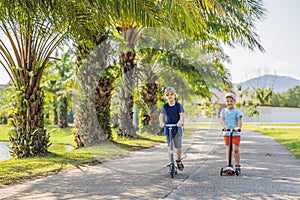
<point x="290" y="137"/>
<point x="3" y="132"/>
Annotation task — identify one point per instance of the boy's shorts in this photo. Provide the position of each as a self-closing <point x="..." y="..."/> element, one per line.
<point x="177" y="139"/>
<point x="235" y="140"/>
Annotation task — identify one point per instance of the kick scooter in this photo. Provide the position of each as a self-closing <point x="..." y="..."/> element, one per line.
<point x="229" y="169"/>
<point x="173" y="168"/>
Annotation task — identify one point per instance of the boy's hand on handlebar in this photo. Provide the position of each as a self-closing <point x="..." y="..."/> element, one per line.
<point x="161" y="125"/>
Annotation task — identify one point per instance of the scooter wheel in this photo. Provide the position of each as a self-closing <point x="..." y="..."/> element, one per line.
<point x="221" y="172"/>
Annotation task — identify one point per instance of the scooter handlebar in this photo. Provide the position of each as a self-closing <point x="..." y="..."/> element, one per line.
<point x="239" y="130"/>
<point x="170" y="125"/>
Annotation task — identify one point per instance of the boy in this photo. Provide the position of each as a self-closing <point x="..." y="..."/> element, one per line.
<point x="231" y="118"/>
<point x="174" y="115"/>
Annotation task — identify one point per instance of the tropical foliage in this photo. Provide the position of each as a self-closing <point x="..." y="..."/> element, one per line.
<point x="6" y="106"/>
<point x="290" y="98"/>
<point x="106" y="36"/>
<point x="58" y="83"/>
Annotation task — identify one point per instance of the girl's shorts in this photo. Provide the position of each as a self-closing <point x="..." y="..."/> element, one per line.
<point x="235" y="140"/>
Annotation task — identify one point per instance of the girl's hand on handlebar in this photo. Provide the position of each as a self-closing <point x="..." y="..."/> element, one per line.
<point x="237" y="129"/>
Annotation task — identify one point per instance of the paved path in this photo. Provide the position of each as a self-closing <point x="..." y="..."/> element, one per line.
<point x="269" y="171"/>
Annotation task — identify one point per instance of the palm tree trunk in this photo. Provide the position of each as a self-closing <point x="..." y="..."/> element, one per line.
<point x="92" y="117"/>
<point x="151" y="117"/>
<point x="91" y="108"/>
<point x="29" y="137"/>
<point x="125" y="121"/>
<point x="63" y="112"/>
<point x="55" y="113"/>
<point x="86" y="119"/>
<point x="102" y="103"/>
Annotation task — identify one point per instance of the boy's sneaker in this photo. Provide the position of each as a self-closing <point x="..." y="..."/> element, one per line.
<point x="180" y="164"/>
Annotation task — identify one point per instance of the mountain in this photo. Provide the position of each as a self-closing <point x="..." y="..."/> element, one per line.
<point x="280" y="84"/>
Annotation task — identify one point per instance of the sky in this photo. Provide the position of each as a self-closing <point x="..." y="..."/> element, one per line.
<point x="279" y="34"/>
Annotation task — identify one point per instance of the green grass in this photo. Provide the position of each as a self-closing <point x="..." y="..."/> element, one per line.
<point x="3" y="132"/>
<point x="60" y="138"/>
<point x="290" y="137"/>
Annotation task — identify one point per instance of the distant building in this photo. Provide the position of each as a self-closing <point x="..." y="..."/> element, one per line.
<point x="219" y="100"/>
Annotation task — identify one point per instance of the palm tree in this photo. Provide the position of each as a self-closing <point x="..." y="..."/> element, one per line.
<point x="128" y="67"/>
<point x="130" y="26"/>
<point x="263" y="95"/>
<point x="50" y="88"/>
<point x="32" y="37"/>
<point x="139" y="10"/>
<point x="148" y="72"/>
<point x="127" y="17"/>
<point x="65" y="69"/>
<point x="59" y="81"/>
<point x="180" y="62"/>
<point x="217" y="22"/>
<point x="96" y="82"/>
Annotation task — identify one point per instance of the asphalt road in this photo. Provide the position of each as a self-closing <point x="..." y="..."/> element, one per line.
<point x="269" y="171"/>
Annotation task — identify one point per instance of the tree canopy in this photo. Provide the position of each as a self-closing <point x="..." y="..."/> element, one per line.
<point x="32" y="30"/>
